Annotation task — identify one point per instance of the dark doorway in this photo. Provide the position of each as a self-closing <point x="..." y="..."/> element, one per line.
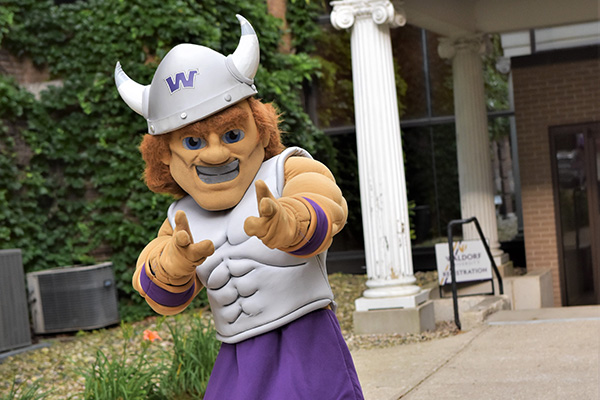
<point x="575" y="151"/>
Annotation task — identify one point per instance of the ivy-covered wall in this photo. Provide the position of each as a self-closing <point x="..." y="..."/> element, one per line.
<point x="71" y="187"/>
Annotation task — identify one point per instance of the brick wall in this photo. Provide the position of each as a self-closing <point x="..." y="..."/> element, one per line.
<point x="546" y="95"/>
<point x="22" y="70"/>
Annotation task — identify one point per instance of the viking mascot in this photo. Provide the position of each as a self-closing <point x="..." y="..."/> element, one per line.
<point x="251" y="224"/>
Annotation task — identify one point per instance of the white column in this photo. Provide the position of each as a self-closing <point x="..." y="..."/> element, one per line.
<point x="391" y="282"/>
<point x="472" y="138"/>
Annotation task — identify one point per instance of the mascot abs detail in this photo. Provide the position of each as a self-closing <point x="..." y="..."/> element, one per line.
<point x="252" y="225"/>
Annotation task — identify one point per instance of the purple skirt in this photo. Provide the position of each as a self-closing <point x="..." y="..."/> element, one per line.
<point x="305" y="359"/>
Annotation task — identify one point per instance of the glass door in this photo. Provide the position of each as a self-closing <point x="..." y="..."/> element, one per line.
<point x="576" y="171"/>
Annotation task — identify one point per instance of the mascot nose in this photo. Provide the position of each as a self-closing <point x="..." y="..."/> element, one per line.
<point x="215" y="153"/>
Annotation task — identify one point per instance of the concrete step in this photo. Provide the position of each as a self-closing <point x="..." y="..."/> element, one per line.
<point x="472" y="310"/>
<point x="541" y="315"/>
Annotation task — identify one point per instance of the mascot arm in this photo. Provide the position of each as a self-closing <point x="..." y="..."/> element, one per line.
<point x="166" y="269"/>
<point x="310" y="212"/>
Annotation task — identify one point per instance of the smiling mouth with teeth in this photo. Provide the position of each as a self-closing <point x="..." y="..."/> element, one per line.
<point x="223" y="173"/>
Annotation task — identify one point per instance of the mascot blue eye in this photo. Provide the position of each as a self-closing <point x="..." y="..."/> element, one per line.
<point x="233" y="136"/>
<point x="193" y="143"/>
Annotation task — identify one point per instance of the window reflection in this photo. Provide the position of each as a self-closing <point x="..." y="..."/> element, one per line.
<point x="597" y="157"/>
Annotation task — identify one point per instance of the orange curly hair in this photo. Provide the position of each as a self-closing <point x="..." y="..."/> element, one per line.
<point x="153" y="148"/>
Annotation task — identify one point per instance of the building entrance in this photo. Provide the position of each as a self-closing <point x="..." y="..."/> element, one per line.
<point x="575" y="151"/>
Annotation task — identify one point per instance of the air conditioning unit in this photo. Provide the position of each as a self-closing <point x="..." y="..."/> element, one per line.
<point x="73" y="298"/>
<point x="15" y="330"/>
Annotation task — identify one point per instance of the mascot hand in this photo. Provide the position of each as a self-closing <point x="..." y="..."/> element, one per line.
<point x="276" y="226"/>
<point x="181" y="255"/>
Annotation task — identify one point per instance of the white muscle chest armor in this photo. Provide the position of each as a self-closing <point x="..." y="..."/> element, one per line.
<point x="253" y="289"/>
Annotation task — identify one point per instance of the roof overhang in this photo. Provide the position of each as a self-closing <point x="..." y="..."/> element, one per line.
<point x="453" y="18"/>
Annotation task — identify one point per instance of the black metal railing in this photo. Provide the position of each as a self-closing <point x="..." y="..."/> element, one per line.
<point x="451" y="225"/>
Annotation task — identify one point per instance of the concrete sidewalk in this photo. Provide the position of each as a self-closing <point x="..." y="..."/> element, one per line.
<point x="549" y="353"/>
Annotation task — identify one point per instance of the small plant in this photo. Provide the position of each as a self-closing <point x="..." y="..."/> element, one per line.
<point x="195" y="349"/>
<point x="123" y="377"/>
<point x="181" y="372"/>
<point x="20" y="392"/>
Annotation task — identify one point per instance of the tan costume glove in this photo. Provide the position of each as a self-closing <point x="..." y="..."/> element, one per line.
<point x="166" y="270"/>
<point x="281" y="222"/>
<point x="173" y="261"/>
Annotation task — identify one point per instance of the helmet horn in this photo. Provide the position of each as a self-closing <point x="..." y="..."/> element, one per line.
<point x="247" y="54"/>
<point x="131" y="92"/>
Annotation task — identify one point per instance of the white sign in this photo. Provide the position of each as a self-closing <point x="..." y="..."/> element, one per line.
<point x="471" y="262"/>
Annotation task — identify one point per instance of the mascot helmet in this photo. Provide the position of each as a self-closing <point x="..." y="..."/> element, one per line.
<point x="193" y="82"/>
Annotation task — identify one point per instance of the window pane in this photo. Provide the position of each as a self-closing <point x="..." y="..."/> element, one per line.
<point x="335" y="103"/>
<point x="432" y="174"/>
<point x="440" y="75"/>
<point x="408" y="56"/>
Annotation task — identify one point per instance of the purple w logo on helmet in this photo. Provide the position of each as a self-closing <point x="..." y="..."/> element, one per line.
<point x="180" y="79"/>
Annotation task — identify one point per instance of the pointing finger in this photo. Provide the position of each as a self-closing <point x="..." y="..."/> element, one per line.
<point x="262" y="191"/>
<point x="268" y="207"/>
<point x="202" y="249"/>
<point x="181" y="222"/>
<point x="182" y="239"/>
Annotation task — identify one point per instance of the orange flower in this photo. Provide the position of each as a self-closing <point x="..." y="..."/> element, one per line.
<point x="151" y="335"/>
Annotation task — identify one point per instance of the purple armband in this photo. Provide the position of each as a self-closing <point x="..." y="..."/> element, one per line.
<point x="162" y="296"/>
<point x="319" y="234"/>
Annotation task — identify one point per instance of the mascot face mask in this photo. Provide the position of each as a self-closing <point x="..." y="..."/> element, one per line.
<point x="197" y="96"/>
<point x="215" y="160"/>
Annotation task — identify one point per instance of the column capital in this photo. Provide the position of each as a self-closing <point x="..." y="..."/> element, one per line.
<point x="477" y="43"/>
<point x="345" y="12"/>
